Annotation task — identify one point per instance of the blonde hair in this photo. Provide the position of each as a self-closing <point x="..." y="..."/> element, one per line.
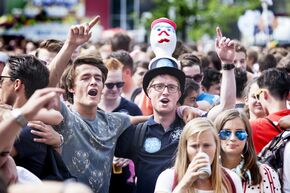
<point x="113" y="64"/>
<point x="197" y="126"/>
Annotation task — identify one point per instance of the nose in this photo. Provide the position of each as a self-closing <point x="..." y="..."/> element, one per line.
<point x="233" y="136"/>
<point x="93" y="81"/>
<point x="165" y="90"/>
<point x="200" y="148"/>
<point x="195" y="104"/>
<point x="238" y="64"/>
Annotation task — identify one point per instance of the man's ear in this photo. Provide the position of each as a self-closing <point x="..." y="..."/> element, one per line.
<point x="127" y="72"/>
<point x="266" y="94"/>
<point x="18" y="85"/>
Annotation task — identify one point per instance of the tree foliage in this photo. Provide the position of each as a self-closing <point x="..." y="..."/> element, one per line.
<point x="194" y="18"/>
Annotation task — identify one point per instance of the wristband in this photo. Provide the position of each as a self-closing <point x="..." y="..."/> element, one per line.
<point x="61" y="142"/>
<point x="20" y="119"/>
<point x="228" y="66"/>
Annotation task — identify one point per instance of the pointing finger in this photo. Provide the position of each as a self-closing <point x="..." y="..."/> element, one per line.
<point x="219" y="33"/>
<point x="94" y="21"/>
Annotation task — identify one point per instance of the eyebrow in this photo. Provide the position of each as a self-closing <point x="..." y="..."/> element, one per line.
<point x="88" y="74"/>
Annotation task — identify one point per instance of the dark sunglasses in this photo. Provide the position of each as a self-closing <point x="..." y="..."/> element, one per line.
<point x="196" y="78"/>
<point x="111" y="85"/>
<point x="226" y="134"/>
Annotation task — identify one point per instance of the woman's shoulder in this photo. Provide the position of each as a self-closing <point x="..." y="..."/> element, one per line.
<point x="232" y="174"/>
<point x="266" y="169"/>
<point x="235" y="179"/>
<point x="165" y="181"/>
<point x="170" y="172"/>
<point x="270" y="178"/>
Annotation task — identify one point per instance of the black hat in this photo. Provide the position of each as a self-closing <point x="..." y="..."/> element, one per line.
<point x="160" y="66"/>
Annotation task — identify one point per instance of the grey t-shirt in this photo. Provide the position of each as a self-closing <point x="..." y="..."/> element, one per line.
<point x="89" y="145"/>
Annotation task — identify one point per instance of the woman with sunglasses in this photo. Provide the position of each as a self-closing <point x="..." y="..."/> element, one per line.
<point x="238" y="154"/>
<point x="199" y="138"/>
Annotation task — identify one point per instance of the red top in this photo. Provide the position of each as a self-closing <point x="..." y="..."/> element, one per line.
<point x="264" y="131"/>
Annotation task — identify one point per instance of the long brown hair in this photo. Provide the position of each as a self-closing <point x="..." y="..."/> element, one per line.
<point x="250" y="158"/>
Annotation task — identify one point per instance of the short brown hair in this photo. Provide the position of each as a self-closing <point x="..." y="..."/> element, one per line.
<point x="51" y="45"/>
<point x="68" y="76"/>
<point x="240" y="48"/>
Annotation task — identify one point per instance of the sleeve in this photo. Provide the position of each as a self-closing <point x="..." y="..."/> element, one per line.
<point x="165" y="181"/>
<point x="65" y="113"/>
<point x="237" y="181"/>
<point x="30" y="154"/>
<point x="125" y="143"/>
<point x="270" y="179"/>
<point x="286" y="169"/>
<point x="120" y="121"/>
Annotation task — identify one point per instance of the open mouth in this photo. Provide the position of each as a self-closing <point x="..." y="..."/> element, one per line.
<point x="163" y="40"/>
<point x="93" y="92"/>
<point x="164" y="101"/>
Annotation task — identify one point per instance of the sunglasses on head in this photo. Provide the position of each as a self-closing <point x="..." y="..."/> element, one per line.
<point x="196" y="78"/>
<point x="225" y="134"/>
<point x="111" y="85"/>
<point x="258" y="93"/>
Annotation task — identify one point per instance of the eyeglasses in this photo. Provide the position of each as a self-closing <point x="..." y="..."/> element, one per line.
<point x="225" y="134"/>
<point x="258" y="93"/>
<point x="170" y="87"/>
<point x="111" y="85"/>
<point x="2" y="78"/>
<point x="196" y="78"/>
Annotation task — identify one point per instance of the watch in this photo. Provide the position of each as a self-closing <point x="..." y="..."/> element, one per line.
<point x="20" y="119"/>
<point x="228" y="66"/>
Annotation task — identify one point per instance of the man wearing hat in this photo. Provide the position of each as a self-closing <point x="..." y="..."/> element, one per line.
<point x="163" y="84"/>
<point x="153" y="145"/>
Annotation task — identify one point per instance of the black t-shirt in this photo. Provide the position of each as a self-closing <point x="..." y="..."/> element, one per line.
<point x="30" y="155"/>
<point x="128" y="107"/>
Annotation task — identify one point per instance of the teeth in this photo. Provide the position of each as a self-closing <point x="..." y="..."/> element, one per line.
<point x="93" y="92"/>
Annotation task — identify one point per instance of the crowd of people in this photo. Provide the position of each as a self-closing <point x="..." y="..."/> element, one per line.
<point x="117" y="116"/>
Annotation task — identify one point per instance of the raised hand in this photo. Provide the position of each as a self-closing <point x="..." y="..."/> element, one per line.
<point x="80" y="34"/>
<point x="192" y="173"/>
<point x="224" y="47"/>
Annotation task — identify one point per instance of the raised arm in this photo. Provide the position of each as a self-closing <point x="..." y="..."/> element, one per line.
<point x="225" y="49"/>
<point x="78" y="34"/>
<point x="12" y="124"/>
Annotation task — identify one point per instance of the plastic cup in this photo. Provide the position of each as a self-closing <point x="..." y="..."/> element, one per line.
<point x="206" y="170"/>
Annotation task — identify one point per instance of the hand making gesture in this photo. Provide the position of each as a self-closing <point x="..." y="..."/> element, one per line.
<point x="224" y="47"/>
<point x="79" y="34"/>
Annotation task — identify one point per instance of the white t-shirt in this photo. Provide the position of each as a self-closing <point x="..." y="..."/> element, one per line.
<point x="26" y="177"/>
<point x="166" y="179"/>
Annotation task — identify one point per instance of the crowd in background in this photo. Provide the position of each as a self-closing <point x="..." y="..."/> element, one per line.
<point x="236" y="110"/>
